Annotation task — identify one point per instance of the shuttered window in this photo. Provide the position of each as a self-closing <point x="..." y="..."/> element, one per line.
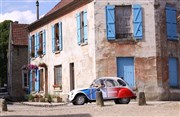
<point x="32" y="46"/>
<point x="82" y="27"/>
<point x="171" y="23"/>
<point x="57" y="37"/>
<point x="41" y="43"/>
<point x="124" y="22"/>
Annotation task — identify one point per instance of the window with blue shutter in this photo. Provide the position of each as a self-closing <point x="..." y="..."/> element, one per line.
<point x="85" y="27"/>
<point x="44" y="41"/>
<point x="137" y="21"/>
<point x="110" y="22"/>
<point x="119" y="24"/>
<point x="78" y="28"/>
<point x="171" y="23"/>
<point x="60" y="36"/>
<point x="35" y="45"/>
<point x="53" y="40"/>
<point x="82" y="28"/>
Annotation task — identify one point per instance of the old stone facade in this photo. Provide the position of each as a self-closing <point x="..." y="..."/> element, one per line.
<point x="17" y="57"/>
<point x="140" y="54"/>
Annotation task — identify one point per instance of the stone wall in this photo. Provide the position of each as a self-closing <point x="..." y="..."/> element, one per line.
<point x="143" y="51"/>
<point x="166" y="49"/>
<point x="19" y="58"/>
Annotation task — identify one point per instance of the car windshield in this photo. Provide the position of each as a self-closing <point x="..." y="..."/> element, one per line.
<point x="121" y="83"/>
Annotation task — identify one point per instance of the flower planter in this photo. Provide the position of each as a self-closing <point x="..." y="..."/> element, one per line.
<point x="57" y="99"/>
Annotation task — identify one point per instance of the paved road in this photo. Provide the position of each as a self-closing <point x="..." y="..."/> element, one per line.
<point x="152" y="109"/>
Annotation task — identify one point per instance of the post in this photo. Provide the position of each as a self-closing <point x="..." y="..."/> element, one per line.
<point x="99" y="98"/>
<point x="142" y="98"/>
<point x="3" y="105"/>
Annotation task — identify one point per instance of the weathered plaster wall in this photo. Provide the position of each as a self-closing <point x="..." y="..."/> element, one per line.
<point x="83" y="57"/>
<point x="166" y="49"/>
<point x="143" y="51"/>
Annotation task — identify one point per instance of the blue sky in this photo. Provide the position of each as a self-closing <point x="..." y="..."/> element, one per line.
<point x="24" y="11"/>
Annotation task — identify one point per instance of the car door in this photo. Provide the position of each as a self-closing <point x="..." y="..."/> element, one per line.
<point x="111" y="88"/>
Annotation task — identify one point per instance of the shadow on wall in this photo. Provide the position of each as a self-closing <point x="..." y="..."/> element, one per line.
<point x="70" y="115"/>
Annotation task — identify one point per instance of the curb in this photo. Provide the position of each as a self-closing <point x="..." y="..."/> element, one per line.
<point x="43" y="104"/>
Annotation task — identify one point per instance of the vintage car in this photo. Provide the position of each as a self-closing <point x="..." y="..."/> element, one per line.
<point x="112" y="88"/>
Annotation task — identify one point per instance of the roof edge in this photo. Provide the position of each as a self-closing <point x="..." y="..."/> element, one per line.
<point x="57" y="14"/>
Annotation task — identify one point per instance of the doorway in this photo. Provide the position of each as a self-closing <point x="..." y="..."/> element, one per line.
<point x="72" y="76"/>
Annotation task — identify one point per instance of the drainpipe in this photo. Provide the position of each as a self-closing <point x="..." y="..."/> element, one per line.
<point x="37" y="7"/>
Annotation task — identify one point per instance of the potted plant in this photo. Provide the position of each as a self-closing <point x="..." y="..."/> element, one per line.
<point x="30" y="98"/>
<point x="56" y="98"/>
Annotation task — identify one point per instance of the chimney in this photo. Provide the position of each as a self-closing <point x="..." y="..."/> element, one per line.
<point x="37" y="6"/>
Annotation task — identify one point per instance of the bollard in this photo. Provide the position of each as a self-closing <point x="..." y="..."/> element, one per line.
<point x="142" y="99"/>
<point x="99" y="98"/>
<point x="3" y="105"/>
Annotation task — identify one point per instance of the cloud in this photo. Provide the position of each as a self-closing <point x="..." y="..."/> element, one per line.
<point x="25" y="17"/>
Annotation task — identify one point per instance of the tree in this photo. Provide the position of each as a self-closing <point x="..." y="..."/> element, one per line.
<point x="4" y="37"/>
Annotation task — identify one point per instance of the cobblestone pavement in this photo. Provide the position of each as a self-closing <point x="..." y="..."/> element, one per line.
<point x="152" y="109"/>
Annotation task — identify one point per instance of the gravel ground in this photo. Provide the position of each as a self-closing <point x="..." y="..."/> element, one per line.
<point x="152" y="109"/>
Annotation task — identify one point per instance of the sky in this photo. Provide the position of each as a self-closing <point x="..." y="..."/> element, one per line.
<point x="24" y="11"/>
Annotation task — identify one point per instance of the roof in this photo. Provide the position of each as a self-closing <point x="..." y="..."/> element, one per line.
<point x="62" y="8"/>
<point x="19" y="34"/>
<point x="60" y="5"/>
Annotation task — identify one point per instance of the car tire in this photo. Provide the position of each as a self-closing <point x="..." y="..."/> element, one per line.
<point x="122" y="101"/>
<point x="79" y="100"/>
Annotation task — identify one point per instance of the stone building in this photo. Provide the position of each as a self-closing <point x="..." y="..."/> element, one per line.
<point x="17" y="58"/>
<point x="81" y="40"/>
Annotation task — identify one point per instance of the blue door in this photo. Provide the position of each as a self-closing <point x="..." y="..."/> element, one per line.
<point x="173" y="72"/>
<point x="125" y="69"/>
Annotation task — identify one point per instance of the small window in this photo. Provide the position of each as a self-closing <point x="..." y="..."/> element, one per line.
<point x="57" y="37"/>
<point x="32" y="46"/>
<point x="58" y="76"/>
<point x="121" y="83"/>
<point x="25" y="79"/>
<point x="40" y="51"/>
<point x="123" y="22"/>
<point x="56" y="33"/>
<point x="82" y="31"/>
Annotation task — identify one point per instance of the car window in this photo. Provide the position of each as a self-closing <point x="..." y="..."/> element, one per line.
<point x="121" y="83"/>
<point x="111" y="83"/>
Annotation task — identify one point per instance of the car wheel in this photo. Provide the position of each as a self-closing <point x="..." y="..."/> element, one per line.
<point x="122" y="101"/>
<point x="79" y="100"/>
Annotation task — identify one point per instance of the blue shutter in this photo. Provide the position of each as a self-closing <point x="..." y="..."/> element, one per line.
<point x="44" y="41"/>
<point x="173" y="72"/>
<point x="171" y="24"/>
<point x="38" y="44"/>
<point x="78" y="28"/>
<point x="53" y="40"/>
<point x="85" y="27"/>
<point x="110" y="22"/>
<point x="30" y="46"/>
<point x="37" y="81"/>
<point x="30" y="81"/>
<point x="35" y="43"/>
<point x="137" y="21"/>
<point x="60" y="36"/>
